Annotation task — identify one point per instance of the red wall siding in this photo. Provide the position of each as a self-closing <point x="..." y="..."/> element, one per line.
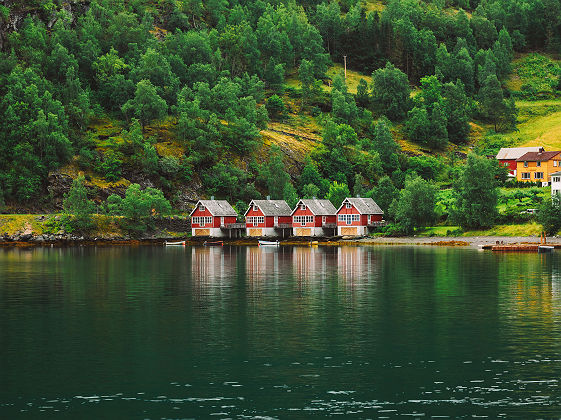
<point x="511" y="163"/>
<point x="352" y="210"/>
<point x="227" y="220"/>
<point x="331" y="219"/>
<point x="306" y="212"/>
<point x="285" y="219"/>
<point x="252" y="213"/>
<point x="206" y="213"/>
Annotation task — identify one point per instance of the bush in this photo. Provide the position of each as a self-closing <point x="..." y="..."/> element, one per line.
<point x="275" y="106"/>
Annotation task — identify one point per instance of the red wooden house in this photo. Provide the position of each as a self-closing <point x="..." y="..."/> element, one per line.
<point x="212" y="218"/>
<point x="507" y="156"/>
<point x="313" y="217"/>
<point x="268" y="218"/>
<point x="356" y="215"/>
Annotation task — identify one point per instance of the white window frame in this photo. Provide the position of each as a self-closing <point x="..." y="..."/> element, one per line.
<point x="538" y="163"/>
<point x="202" y="207"/>
<point x="525" y="163"/>
<point x="525" y="175"/>
<point x="538" y="177"/>
<point x="348" y="205"/>
<point x="348" y="218"/>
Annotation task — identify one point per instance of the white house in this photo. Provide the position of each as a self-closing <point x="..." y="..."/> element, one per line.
<point x="556" y="183"/>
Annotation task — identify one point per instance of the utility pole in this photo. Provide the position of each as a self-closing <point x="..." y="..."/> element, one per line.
<point x="345" y="60"/>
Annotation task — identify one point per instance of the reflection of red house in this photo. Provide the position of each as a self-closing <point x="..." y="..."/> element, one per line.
<point x="507" y="156"/>
<point x="268" y="218"/>
<point x="313" y="217"/>
<point x="356" y="215"/>
<point x="212" y="217"/>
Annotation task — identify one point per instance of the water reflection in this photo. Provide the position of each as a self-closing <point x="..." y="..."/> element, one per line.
<point x="279" y="332"/>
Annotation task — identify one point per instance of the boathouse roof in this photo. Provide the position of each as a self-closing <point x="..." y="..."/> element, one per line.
<point x="318" y="207"/>
<point x="217" y="207"/>
<point x="271" y="207"/>
<point x="363" y="205"/>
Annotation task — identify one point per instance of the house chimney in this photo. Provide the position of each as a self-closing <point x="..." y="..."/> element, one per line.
<point x="268" y="197"/>
<point x="315" y="198"/>
<point x="358" y="196"/>
<point x="212" y="197"/>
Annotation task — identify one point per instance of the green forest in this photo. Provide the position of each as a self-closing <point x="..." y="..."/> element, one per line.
<point x="399" y="100"/>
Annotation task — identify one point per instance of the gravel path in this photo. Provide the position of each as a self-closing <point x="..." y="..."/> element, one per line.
<point x="473" y="241"/>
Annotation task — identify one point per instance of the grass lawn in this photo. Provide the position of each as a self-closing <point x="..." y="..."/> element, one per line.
<point x="353" y="78"/>
<point x="526" y="229"/>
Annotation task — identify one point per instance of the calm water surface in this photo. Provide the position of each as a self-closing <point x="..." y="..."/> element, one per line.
<point x="289" y="333"/>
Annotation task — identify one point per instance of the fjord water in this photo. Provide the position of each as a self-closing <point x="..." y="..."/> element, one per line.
<point x="289" y="332"/>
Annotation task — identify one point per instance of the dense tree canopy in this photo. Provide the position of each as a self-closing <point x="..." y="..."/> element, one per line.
<point x="178" y="93"/>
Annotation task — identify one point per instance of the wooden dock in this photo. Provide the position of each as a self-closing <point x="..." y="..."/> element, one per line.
<point x="515" y="248"/>
<point x="521" y="247"/>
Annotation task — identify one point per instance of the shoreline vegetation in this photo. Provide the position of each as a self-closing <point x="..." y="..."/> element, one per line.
<point x="49" y="229"/>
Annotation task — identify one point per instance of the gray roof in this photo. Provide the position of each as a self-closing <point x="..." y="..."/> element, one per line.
<point x="217" y="207"/>
<point x="272" y="207"/>
<point x="510" y="153"/>
<point x="364" y="205"/>
<point x="318" y="207"/>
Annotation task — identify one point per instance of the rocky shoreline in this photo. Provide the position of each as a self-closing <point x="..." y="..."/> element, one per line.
<point x="27" y="239"/>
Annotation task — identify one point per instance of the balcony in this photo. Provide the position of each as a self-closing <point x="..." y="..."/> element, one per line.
<point x="283" y="226"/>
<point x="230" y="226"/>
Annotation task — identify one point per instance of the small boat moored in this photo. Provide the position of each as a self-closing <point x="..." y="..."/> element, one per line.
<point x="213" y="243"/>
<point x="175" y="243"/>
<point x="268" y="243"/>
<point x="545" y="248"/>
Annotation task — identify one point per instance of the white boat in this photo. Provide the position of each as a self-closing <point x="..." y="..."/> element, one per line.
<point x="175" y="243"/>
<point x="268" y="243"/>
<point x="545" y="248"/>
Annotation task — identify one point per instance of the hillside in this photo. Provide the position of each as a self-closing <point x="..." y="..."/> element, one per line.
<point x="249" y="100"/>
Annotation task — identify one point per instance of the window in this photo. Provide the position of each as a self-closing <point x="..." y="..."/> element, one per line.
<point x="201" y="221"/>
<point x="348" y="205"/>
<point x="538" y="175"/>
<point x="255" y="220"/>
<point x="255" y="208"/>
<point x="525" y="175"/>
<point x="302" y="207"/>
<point x="555" y="162"/>
<point x="202" y="207"/>
<point x="303" y="219"/>
<point x="525" y="163"/>
<point x="348" y="218"/>
<point x="555" y="179"/>
<point x="538" y="164"/>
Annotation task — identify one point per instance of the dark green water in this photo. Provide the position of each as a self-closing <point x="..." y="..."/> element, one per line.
<point x="234" y="332"/>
